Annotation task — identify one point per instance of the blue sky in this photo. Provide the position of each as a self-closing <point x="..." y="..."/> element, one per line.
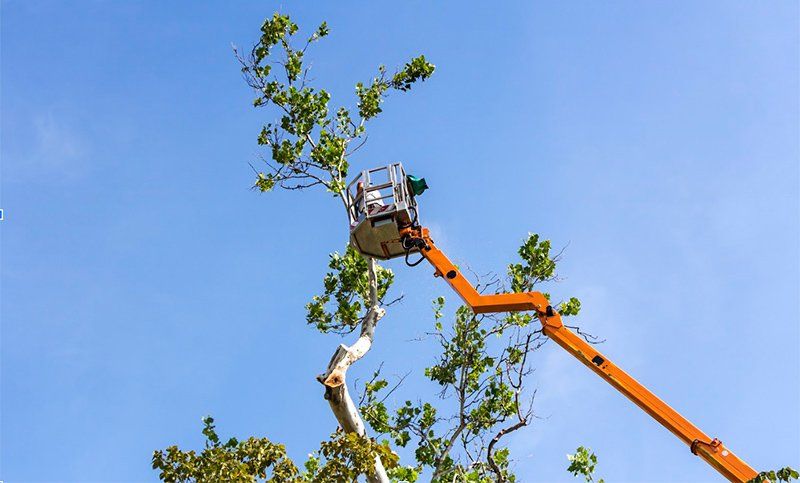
<point x="144" y="285"/>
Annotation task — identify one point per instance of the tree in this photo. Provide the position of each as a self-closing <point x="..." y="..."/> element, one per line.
<point x="483" y="360"/>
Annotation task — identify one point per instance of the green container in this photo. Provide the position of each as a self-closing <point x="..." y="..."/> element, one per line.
<point x="417" y="185"/>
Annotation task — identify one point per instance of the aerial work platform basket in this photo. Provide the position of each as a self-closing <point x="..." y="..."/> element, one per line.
<point x="380" y="202"/>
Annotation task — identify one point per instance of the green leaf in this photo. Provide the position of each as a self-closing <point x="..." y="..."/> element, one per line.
<point x="346" y="293"/>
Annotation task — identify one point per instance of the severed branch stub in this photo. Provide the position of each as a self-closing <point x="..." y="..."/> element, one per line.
<point x="335" y="377"/>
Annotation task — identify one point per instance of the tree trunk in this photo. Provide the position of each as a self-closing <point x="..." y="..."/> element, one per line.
<point x="335" y="377"/>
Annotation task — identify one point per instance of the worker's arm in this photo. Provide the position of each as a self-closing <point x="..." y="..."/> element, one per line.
<point x="711" y="450"/>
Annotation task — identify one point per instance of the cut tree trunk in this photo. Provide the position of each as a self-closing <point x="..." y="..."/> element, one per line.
<point x="335" y="377"/>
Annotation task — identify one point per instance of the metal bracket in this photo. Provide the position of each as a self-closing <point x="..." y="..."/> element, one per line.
<point x="713" y="444"/>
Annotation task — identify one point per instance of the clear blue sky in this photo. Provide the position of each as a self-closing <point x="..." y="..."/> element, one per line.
<point x="144" y="285"/>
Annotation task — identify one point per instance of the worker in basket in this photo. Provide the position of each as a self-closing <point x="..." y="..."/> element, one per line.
<point x="372" y="198"/>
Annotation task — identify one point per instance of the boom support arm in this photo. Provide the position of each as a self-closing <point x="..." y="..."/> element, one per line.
<point x="711" y="450"/>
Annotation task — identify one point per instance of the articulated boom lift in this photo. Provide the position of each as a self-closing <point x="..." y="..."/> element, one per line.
<point x="384" y="224"/>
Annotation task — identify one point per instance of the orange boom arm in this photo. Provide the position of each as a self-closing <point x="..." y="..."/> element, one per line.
<point x="711" y="450"/>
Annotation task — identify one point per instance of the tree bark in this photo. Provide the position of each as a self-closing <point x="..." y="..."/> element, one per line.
<point x="335" y="377"/>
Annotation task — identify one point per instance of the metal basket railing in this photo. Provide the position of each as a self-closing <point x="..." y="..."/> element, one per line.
<point x="384" y="186"/>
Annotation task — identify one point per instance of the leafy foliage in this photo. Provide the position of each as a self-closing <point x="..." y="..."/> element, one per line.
<point x="234" y="460"/>
<point x="309" y="145"/>
<point x="774" y="476"/>
<point x="346" y="293"/>
<point x="348" y="455"/>
<point x="343" y="457"/>
<point x="537" y="265"/>
<point x="583" y="463"/>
